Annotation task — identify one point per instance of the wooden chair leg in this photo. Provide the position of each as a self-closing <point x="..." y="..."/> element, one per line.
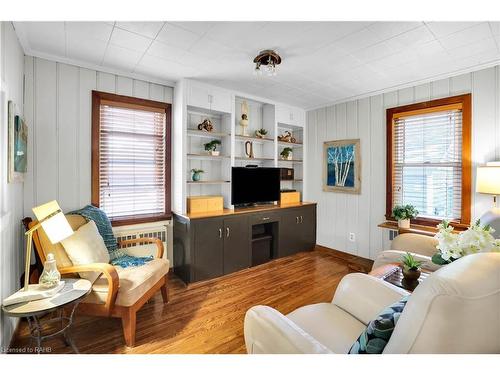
<point x="128" y="323"/>
<point x="164" y="291"/>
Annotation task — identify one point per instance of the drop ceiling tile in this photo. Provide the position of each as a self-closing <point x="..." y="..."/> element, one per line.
<point x="129" y="40"/>
<point x="374" y="52"/>
<point x="46" y="37"/>
<point x="441" y="29"/>
<point x="472" y="49"/>
<point x="232" y="34"/>
<point x="84" y="49"/>
<point x="120" y="57"/>
<point x="147" y="29"/>
<point x="177" y="36"/>
<point x="164" y="68"/>
<point x="387" y="30"/>
<point x="495" y="28"/>
<point x="411" y="38"/>
<point x="206" y="48"/>
<point x="163" y="51"/>
<point x="196" y="27"/>
<point x="99" y="31"/>
<point x="467" y="36"/>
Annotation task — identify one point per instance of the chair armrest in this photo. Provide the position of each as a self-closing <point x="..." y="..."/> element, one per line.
<point x="394" y="256"/>
<point x="157" y="241"/>
<point x="109" y="273"/>
<point x="364" y="296"/>
<point x="267" y="331"/>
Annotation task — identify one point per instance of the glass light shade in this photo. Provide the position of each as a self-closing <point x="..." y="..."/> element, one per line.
<point x="56" y="227"/>
<point x="488" y="179"/>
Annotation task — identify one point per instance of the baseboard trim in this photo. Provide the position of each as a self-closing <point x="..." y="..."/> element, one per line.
<point x="354" y="262"/>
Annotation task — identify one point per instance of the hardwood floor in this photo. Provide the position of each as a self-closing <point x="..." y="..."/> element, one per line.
<point x="207" y="317"/>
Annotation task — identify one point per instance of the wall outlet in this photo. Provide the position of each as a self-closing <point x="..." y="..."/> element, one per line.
<point x="352" y="237"/>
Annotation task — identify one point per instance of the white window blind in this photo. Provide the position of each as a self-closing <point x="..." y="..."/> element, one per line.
<point x="132" y="160"/>
<point x="427" y="162"/>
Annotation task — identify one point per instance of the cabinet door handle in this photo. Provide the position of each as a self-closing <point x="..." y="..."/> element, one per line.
<point x="301" y="219"/>
<point x="220" y="232"/>
<point x="265" y="218"/>
<point x="297" y="219"/>
<point x="227" y="232"/>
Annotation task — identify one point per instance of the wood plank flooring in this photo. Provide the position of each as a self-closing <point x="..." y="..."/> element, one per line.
<point x="207" y="317"/>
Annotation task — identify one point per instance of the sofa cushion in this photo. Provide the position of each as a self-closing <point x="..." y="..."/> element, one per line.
<point x="318" y="320"/>
<point x="86" y="246"/>
<point x="379" y="331"/>
<point x="134" y="283"/>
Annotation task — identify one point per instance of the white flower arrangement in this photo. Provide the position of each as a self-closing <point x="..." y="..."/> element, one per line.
<point x="452" y="246"/>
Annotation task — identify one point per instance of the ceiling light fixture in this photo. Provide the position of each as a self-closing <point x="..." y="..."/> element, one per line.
<point x="267" y="60"/>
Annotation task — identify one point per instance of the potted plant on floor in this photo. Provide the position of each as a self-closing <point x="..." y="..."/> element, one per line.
<point x="286" y="154"/>
<point x="211" y="147"/>
<point x="403" y="214"/>
<point x="197" y="174"/>
<point x="411" y="269"/>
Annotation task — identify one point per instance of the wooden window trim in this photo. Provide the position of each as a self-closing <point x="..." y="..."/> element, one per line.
<point x="465" y="102"/>
<point x="135" y="103"/>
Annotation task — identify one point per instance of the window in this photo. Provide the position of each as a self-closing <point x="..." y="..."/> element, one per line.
<point x="130" y="158"/>
<point x="428" y="159"/>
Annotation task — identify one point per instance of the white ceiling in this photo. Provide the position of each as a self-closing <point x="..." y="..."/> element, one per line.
<point x="323" y="62"/>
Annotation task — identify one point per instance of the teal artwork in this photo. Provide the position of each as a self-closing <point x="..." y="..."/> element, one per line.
<point x="20" y="145"/>
<point x="342" y="166"/>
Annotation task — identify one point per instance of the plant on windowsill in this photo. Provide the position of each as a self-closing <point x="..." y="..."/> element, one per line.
<point x="197" y="174"/>
<point x="211" y="147"/>
<point x="403" y="214"/>
<point x="286" y="154"/>
<point x="411" y="268"/>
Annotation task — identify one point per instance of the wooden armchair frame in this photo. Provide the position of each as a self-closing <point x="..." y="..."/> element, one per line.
<point x="126" y="313"/>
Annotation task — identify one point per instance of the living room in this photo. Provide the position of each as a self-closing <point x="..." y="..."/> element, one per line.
<point x="248" y="185"/>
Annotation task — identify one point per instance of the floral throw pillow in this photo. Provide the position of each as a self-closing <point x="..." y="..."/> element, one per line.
<point x="378" y="332"/>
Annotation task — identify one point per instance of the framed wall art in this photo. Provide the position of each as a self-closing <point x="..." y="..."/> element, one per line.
<point x="342" y="166"/>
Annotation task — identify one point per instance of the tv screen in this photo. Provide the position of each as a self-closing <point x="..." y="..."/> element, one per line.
<point x="255" y="185"/>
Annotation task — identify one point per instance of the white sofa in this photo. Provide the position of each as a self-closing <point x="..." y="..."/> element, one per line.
<point x="455" y="310"/>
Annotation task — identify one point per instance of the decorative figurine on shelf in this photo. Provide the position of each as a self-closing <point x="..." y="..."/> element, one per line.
<point x="50" y="276"/>
<point x="244" y="118"/>
<point x="197" y="174"/>
<point x="206" y="125"/>
<point x="286" y="154"/>
<point x="261" y="133"/>
<point x="249" y="149"/>
<point x="287" y="137"/>
<point x="211" y="147"/>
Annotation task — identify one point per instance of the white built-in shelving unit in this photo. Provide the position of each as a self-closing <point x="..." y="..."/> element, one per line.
<point x="195" y="101"/>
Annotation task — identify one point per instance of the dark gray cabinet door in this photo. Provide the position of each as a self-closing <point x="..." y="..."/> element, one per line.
<point x="307" y="222"/>
<point x="208" y="249"/>
<point x="237" y="244"/>
<point x="289" y="233"/>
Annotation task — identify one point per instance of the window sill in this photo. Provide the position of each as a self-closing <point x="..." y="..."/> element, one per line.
<point x="130" y="220"/>
<point x="425" y="230"/>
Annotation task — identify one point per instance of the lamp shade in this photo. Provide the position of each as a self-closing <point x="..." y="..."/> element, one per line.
<point x="488" y="179"/>
<point x="53" y="221"/>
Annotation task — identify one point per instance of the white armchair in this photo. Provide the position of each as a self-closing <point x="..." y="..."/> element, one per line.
<point x="422" y="247"/>
<point x="455" y="310"/>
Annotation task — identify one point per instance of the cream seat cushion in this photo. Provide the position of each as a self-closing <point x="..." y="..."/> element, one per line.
<point x="319" y="320"/>
<point x="134" y="283"/>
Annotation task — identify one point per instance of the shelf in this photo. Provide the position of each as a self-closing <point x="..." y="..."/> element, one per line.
<point x="290" y="144"/>
<point x="214" y="182"/>
<point x="254" y="139"/>
<point x="291" y="161"/>
<point x="206" y="157"/>
<point x="296" y="180"/>
<point x="253" y="159"/>
<point x="200" y="133"/>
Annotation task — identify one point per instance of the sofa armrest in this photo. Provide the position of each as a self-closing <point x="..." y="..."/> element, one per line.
<point x="364" y="296"/>
<point x="394" y="256"/>
<point x="109" y="273"/>
<point x="145" y="240"/>
<point x="267" y="331"/>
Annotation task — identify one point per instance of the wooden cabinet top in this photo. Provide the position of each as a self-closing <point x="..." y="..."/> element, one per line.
<point x="246" y="210"/>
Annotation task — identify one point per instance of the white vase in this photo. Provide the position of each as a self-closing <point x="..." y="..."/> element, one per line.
<point x="404" y="223"/>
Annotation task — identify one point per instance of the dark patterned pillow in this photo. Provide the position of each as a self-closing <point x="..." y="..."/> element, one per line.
<point x="378" y="332"/>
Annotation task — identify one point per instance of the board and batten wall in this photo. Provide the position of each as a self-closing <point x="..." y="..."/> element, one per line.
<point x="339" y="213"/>
<point x="58" y="104"/>
<point x="11" y="194"/>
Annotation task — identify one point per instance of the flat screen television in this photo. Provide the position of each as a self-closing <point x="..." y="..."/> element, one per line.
<point x="254" y="185"/>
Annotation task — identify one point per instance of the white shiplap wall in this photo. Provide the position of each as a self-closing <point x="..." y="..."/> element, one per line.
<point x="11" y="195"/>
<point x="58" y="105"/>
<point x="338" y="213"/>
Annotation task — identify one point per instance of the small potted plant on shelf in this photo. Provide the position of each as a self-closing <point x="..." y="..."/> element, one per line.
<point x="286" y="154"/>
<point x="211" y="147"/>
<point x="197" y="174"/>
<point x="261" y="133"/>
<point x="403" y="214"/>
<point x="411" y="269"/>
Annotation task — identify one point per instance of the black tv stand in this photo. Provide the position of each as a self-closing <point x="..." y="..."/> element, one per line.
<point x="218" y="243"/>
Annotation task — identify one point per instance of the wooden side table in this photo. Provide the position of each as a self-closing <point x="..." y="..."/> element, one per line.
<point x="393" y="274"/>
<point x="74" y="291"/>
